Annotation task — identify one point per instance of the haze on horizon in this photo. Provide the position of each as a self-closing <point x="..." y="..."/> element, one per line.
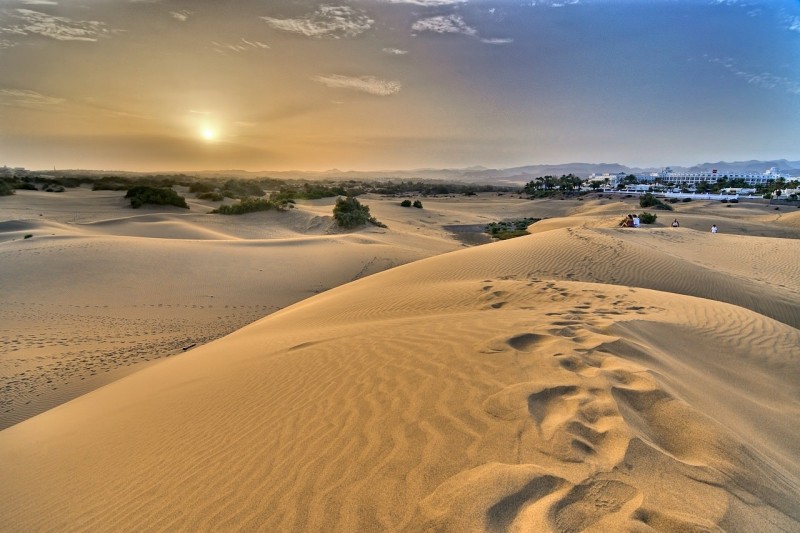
<point x="147" y="85"/>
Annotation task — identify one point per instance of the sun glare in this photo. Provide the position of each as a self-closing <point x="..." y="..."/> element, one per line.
<point x="208" y="134"/>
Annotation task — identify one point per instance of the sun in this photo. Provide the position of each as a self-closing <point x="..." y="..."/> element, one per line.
<point x="208" y="134"/>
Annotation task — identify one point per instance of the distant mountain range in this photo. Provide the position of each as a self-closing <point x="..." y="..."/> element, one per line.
<point x="475" y="174"/>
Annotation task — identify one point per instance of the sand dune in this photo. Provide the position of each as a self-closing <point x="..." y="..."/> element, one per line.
<point x="583" y="378"/>
<point x="472" y="390"/>
<point x="98" y="290"/>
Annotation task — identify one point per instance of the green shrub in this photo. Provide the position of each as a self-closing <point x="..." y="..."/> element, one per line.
<point x="350" y="213"/>
<point x="686" y="200"/>
<point x="509" y="229"/>
<point x="241" y="189"/>
<point x="27" y="186"/>
<point x="247" y="205"/>
<point x="647" y="218"/>
<point x="5" y="188"/>
<point x="201" y="187"/>
<point x="213" y="196"/>
<point x="405" y="203"/>
<point x="143" y="194"/>
<point x="648" y="200"/>
<point x="417" y="204"/>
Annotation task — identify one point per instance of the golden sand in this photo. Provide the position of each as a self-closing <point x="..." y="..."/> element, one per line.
<point x="583" y="378"/>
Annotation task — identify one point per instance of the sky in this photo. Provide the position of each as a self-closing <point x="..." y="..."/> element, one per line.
<point x="182" y="85"/>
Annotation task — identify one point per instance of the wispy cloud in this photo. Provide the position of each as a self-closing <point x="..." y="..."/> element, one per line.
<point x="766" y="80"/>
<point x="26" y="97"/>
<point x="182" y="16"/>
<point x="59" y="28"/>
<point x="326" y="21"/>
<point x="40" y="2"/>
<point x="554" y="3"/>
<point x="242" y="45"/>
<point x="427" y="3"/>
<point x="497" y="41"/>
<point x="5" y="43"/>
<point x="394" y="51"/>
<point x="444" y="24"/>
<point x="453" y="24"/>
<point x="793" y="24"/>
<point x="367" y="84"/>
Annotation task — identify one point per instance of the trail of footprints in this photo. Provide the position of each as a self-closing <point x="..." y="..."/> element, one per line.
<point x="579" y="421"/>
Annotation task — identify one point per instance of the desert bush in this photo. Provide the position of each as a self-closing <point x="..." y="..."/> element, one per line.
<point x="648" y="200"/>
<point x="241" y="189"/>
<point x="27" y="186"/>
<point x="5" y="188"/>
<point x="417" y="204"/>
<point x="509" y="229"/>
<point x="201" y="187"/>
<point x="350" y="213"/>
<point x="686" y="200"/>
<point x="143" y="194"/>
<point x="405" y="203"/>
<point x="647" y="218"/>
<point x="212" y="195"/>
<point x="247" y="205"/>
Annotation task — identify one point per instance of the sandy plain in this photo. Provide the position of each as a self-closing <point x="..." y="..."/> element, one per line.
<point x="583" y="378"/>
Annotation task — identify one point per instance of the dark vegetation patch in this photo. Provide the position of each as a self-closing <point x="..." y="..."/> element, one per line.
<point x="143" y="194"/>
<point x="248" y="205"/>
<point x="509" y="229"/>
<point x="648" y="200"/>
<point x="350" y="213"/>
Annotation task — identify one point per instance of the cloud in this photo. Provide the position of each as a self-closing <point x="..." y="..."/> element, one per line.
<point x="242" y="45"/>
<point x="453" y="24"/>
<point x="444" y="24"/>
<point x="766" y="80"/>
<point x="40" y="2"/>
<point x="554" y="3"/>
<point x="427" y="3"/>
<point x="182" y="16"/>
<point x="793" y="24"/>
<point x="5" y="43"/>
<point x="26" y="97"/>
<point x="59" y="28"/>
<point x="326" y="21"/>
<point x="497" y="41"/>
<point x="394" y="51"/>
<point x="367" y="84"/>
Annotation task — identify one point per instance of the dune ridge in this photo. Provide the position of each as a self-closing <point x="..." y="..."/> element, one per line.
<point x="578" y="379"/>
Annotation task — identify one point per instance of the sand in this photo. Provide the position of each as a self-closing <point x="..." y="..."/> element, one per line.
<point x="582" y="378"/>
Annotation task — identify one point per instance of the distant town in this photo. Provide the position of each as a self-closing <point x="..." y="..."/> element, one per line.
<point x="771" y="184"/>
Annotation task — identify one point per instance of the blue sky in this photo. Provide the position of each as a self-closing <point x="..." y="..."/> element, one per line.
<point x="395" y="84"/>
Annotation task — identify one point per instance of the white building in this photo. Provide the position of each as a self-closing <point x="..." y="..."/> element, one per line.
<point x="666" y="175"/>
<point x="9" y="172"/>
<point x="607" y="180"/>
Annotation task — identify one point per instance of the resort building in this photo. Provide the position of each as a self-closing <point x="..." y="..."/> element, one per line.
<point x="12" y="172"/>
<point x="666" y="175"/>
<point x="689" y="179"/>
